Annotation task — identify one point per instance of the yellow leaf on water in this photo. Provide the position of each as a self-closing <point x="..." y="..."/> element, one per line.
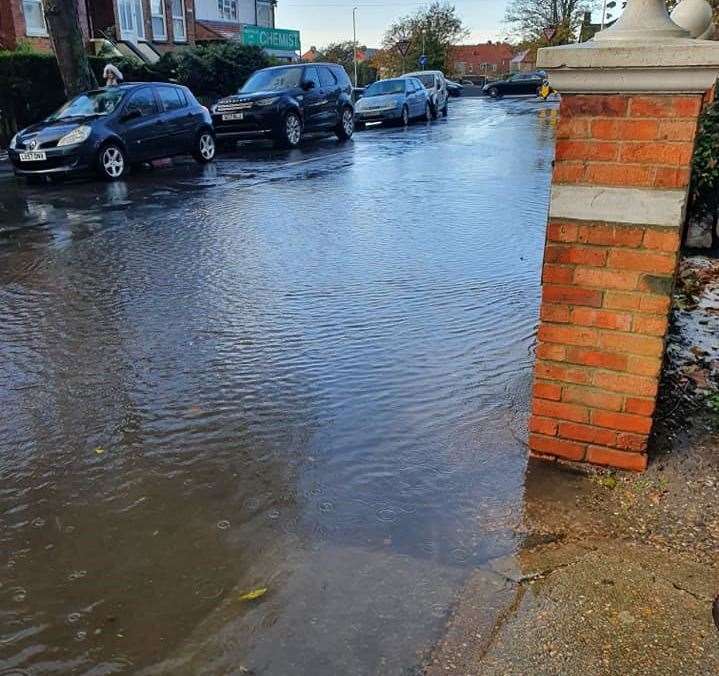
<point x="254" y="594"/>
<point x="99" y="451"/>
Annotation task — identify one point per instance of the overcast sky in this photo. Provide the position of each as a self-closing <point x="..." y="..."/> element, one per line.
<point x="323" y="21"/>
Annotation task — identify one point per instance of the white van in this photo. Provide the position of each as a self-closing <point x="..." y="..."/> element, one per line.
<point x="436" y="85"/>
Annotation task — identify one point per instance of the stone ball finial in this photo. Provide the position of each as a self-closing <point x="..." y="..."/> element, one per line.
<point x="644" y="21"/>
<point x="694" y="16"/>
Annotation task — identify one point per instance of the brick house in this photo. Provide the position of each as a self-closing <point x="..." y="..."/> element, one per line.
<point x="149" y="27"/>
<point x="524" y="62"/>
<point x="489" y="59"/>
<point x="23" y="21"/>
<point x="224" y="19"/>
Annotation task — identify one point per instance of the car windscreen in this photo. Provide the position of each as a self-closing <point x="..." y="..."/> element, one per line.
<point x="274" y="79"/>
<point x="426" y="80"/>
<point x="90" y="104"/>
<point x="384" y="87"/>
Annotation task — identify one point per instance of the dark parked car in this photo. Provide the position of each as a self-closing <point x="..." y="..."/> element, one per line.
<point x="107" y="130"/>
<point x="519" y="84"/>
<point x="454" y="88"/>
<point x="284" y="102"/>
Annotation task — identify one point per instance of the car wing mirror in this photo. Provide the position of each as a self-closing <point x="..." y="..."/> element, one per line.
<point x="131" y="115"/>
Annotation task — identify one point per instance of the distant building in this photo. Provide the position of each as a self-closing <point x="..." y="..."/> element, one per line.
<point x="246" y="21"/>
<point x="523" y="62"/>
<point x="310" y="56"/>
<point x="224" y="19"/>
<point x="488" y="59"/>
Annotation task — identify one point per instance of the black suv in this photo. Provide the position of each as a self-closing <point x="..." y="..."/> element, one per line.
<point x="285" y="102"/>
<point x="109" y="129"/>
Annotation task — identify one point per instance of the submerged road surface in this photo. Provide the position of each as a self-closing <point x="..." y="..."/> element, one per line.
<point x="302" y="371"/>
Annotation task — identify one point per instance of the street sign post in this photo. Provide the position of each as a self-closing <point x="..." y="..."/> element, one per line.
<point x="271" y="38"/>
<point x="402" y="46"/>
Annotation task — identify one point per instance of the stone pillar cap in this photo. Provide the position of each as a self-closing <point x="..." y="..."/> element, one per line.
<point x="643" y="52"/>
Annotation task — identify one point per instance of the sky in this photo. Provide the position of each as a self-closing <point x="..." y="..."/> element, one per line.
<point x="323" y="21"/>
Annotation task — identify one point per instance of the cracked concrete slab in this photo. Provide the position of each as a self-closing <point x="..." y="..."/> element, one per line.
<point x="618" y="609"/>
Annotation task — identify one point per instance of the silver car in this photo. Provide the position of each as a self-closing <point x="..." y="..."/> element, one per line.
<point x="436" y="85"/>
<point x="395" y="100"/>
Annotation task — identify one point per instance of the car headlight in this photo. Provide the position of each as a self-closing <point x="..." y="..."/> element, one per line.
<point x="13" y="142"/>
<point x="267" y="102"/>
<point x="77" y="135"/>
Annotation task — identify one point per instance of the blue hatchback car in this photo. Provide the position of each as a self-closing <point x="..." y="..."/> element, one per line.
<point x="107" y="130"/>
<point x="396" y="100"/>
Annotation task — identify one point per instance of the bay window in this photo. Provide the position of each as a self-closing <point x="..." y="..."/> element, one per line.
<point x="227" y="10"/>
<point x="159" y="25"/>
<point x="179" y="26"/>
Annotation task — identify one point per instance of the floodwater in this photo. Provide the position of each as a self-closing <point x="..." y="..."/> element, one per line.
<point x="302" y="371"/>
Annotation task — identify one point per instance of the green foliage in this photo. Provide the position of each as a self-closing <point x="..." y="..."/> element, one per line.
<point x="705" y="165"/>
<point x="342" y="53"/>
<point x="214" y="70"/>
<point x="704" y="190"/>
<point x="435" y="29"/>
<point x="528" y="19"/>
<point x="31" y="87"/>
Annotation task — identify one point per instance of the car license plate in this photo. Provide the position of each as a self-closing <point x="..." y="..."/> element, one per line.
<point x="35" y="156"/>
<point x="233" y="116"/>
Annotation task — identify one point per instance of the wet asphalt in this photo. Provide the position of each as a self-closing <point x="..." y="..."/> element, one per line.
<point x="305" y="371"/>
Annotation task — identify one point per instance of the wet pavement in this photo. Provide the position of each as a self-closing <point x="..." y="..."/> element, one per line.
<point x="306" y="371"/>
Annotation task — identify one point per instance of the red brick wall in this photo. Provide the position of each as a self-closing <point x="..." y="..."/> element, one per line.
<point x="12" y="26"/>
<point x="607" y="287"/>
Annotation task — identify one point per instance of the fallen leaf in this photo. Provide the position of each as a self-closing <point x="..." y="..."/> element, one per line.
<point x="99" y="451"/>
<point x="254" y="594"/>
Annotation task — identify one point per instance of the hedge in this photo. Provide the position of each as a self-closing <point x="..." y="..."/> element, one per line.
<point x="31" y="87"/>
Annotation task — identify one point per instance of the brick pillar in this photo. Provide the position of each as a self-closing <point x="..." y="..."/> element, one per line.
<point x="619" y="195"/>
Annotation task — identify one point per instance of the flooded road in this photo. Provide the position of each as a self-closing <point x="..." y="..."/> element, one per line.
<point x="304" y="371"/>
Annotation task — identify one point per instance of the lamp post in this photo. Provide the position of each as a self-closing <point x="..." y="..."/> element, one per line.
<point x="354" y="40"/>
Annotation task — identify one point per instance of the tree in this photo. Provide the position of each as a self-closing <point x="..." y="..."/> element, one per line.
<point x="343" y="54"/>
<point x="432" y="30"/>
<point x="63" y="25"/>
<point x="529" y="19"/>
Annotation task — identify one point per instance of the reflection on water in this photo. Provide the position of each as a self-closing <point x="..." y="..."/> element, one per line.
<point x="304" y="375"/>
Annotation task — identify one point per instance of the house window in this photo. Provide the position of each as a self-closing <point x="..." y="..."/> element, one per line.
<point x="179" y="26"/>
<point x="159" y="27"/>
<point x="264" y="14"/>
<point x="227" y="9"/>
<point x="34" y="18"/>
<point x="132" y="23"/>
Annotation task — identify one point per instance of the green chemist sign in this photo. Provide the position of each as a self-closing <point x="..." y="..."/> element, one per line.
<point x="271" y="38"/>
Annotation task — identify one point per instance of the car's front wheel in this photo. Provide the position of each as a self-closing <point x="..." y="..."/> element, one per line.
<point x="291" y="132"/>
<point x="445" y="109"/>
<point x="205" y="147"/>
<point x="405" y="116"/>
<point x="428" y="112"/>
<point x="346" y="126"/>
<point x="493" y="92"/>
<point x="111" y="162"/>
